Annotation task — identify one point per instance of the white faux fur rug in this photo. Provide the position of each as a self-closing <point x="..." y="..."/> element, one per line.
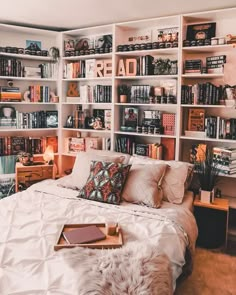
<point x="125" y="271"/>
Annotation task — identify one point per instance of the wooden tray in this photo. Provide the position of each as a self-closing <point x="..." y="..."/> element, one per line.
<point x="115" y="241"/>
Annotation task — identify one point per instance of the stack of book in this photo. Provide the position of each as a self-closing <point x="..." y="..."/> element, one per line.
<point x="225" y="159"/>
<point x="10" y="93"/>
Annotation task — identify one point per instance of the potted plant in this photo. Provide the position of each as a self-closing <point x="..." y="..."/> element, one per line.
<point x="123" y="92"/>
<point x="24" y="158"/>
<point x="207" y="175"/>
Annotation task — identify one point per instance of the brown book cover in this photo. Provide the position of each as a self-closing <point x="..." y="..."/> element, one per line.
<point x="83" y="235"/>
<point x="168" y="148"/>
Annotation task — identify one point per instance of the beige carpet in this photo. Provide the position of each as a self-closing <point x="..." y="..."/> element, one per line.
<point x="213" y="274"/>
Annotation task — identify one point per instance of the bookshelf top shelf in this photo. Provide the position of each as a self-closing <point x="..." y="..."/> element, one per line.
<point x="164" y="51"/>
<point x="90" y="56"/>
<point x="26" y="56"/>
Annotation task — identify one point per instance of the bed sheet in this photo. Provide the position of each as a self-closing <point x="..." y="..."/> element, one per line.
<point x="30" y="222"/>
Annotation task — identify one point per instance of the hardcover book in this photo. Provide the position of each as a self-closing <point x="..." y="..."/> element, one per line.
<point x="87" y="234"/>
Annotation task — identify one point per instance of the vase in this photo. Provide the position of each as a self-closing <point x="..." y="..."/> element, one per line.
<point x="206" y="196"/>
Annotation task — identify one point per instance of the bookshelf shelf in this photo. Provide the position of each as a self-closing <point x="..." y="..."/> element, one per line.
<point x="102" y="104"/>
<point x="209" y="139"/>
<point x="165" y="51"/>
<point x="27" y="78"/>
<point x="86" y="130"/>
<point x="27" y="129"/>
<point x="203" y="106"/>
<point x="28" y="103"/>
<point x="97" y="79"/>
<point x="159" y="77"/>
<point x="26" y="56"/>
<point x="210" y="48"/>
<point x="203" y="76"/>
<point x="90" y="56"/>
<point x="145" y="135"/>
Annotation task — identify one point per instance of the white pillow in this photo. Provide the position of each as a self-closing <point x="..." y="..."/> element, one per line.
<point x="143" y="185"/>
<point x="81" y="168"/>
<point x="175" y="180"/>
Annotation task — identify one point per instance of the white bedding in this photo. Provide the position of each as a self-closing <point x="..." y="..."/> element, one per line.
<point x="30" y="222"/>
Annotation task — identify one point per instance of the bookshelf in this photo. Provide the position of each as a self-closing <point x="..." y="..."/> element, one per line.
<point x="134" y="45"/>
<point x="35" y="76"/>
<point x="92" y="75"/>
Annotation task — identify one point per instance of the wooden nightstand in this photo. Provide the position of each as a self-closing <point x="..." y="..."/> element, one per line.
<point x="212" y="220"/>
<point x="27" y="175"/>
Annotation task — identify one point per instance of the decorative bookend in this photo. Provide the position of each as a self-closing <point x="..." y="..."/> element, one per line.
<point x="72" y="89"/>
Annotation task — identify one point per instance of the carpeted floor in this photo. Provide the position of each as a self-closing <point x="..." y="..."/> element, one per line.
<point x="213" y="274"/>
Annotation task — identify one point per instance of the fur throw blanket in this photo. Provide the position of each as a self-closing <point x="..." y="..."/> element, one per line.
<point x="133" y="270"/>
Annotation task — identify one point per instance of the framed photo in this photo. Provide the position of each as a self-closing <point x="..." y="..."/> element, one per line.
<point x="33" y="45"/>
<point x="103" y="41"/>
<point x="196" y="120"/>
<point x="131" y="117"/>
<point x="201" y="31"/>
<point x="51" y="119"/>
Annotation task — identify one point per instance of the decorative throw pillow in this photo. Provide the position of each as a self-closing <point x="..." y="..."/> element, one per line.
<point x="175" y="180"/>
<point x="81" y="169"/>
<point x="105" y="182"/>
<point x="143" y="185"/>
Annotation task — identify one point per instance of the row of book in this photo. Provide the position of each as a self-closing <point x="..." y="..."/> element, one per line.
<point x="13" y="67"/>
<point x="12" y="145"/>
<point x="39" y="93"/>
<point x="164" y="150"/>
<point x="214" y="64"/>
<point x="39" y="119"/>
<point x="10" y="94"/>
<point x="78" y="144"/>
<point x="225" y="159"/>
<point x="93" y="94"/>
<point x="128" y="146"/>
<point x="226" y="127"/>
<point x="201" y="93"/>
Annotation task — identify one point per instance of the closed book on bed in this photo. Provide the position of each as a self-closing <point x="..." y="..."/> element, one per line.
<point x="87" y="234"/>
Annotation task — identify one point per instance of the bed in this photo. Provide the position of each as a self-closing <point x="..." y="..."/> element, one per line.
<point x="158" y="243"/>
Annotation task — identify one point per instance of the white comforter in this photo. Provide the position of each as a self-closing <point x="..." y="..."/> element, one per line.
<point x="30" y="223"/>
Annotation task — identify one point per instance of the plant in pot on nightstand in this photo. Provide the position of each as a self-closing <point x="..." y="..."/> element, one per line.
<point x="207" y="175"/>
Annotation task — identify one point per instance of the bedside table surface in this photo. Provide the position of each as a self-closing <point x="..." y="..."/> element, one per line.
<point x="218" y="204"/>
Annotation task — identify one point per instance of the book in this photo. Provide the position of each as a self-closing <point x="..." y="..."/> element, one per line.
<point x="87" y="234"/>
<point x="90" y="65"/>
<point x="93" y="143"/>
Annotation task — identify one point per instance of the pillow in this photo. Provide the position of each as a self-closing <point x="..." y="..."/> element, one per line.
<point x="105" y="182"/>
<point x="143" y="185"/>
<point x="176" y="178"/>
<point x="81" y="169"/>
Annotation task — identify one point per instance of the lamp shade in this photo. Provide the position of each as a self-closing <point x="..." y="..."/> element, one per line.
<point x="48" y="155"/>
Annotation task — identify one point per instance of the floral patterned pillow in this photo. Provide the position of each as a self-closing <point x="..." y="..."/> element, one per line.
<point x="105" y="182"/>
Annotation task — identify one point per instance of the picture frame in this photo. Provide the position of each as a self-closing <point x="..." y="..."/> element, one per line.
<point x="51" y="119"/>
<point x="201" y="31"/>
<point x="33" y="45"/>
